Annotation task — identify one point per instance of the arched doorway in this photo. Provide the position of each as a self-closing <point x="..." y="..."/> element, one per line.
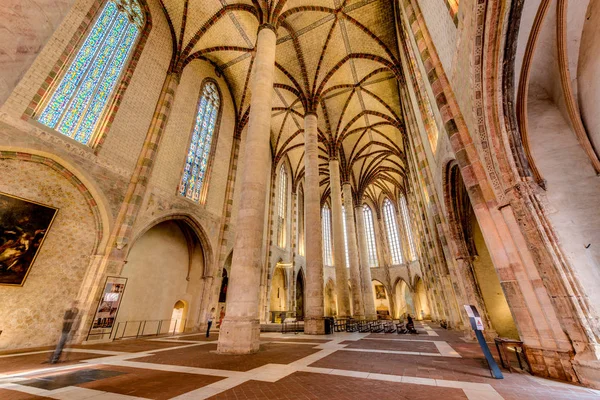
<point x="477" y="261"/>
<point x="422" y="309"/>
<point x="167" y="261"/>
<point x="404" y="300"/>
<point x="178" y="317"/>
<point x="278" y="295"/>
<point x="330" y="299"/>
<point x="300" y="296"/>
<point x="382" y="300"/>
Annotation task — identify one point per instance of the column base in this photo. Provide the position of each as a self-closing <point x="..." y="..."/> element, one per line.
<point x="239" y="336"/>
<point x="551" y="364"/>
<point x="371" y="317"/>
<point x="314" y="326"/>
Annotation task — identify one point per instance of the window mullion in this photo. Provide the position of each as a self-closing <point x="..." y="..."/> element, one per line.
<point x="100" y="81"/>
<point x="85" y="74"/>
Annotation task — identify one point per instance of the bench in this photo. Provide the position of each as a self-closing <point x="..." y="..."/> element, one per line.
<point x="503" y="345"/>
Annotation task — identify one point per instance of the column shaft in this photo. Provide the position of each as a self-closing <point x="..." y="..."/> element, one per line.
<point x="365" y="268"/>
<point x="339" y="259"/>
<point x="313" y="243"/>
<point x="241" y="329"/>
<point x="355" y="279"/>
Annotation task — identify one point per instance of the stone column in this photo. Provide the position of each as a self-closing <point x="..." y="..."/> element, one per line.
<point x="355" y="279"/>
<point x="403" y="235"/>
<point x="313" y="237"/>
<point x="339" y="259"/>
<point x="241" y="329"/>
<point x="365" y="268"/>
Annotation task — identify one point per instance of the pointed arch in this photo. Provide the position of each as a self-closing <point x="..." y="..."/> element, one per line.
<point x="202" y="143"/>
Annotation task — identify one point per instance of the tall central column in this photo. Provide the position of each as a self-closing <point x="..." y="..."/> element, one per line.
<point x="365" y="268"/>
<point x="313" y="243"/>
<point x="357" y="301"/>
<point x="240" y="329"/>
<point x="339" y="259"/>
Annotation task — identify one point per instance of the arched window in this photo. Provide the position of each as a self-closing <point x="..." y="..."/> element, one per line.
<point x="370" y="234"/>
<point x="345" y="238"/>
<point x="326" y="224"/>
<point x="81" y="96"/>
<point x="301" y="222"/>
<point x="407" y="225"/>
<point x="194" y="172"/>
<point x="392" y="230"/>
<point x="282" y="209"/>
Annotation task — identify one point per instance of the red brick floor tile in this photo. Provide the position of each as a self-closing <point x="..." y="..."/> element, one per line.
<point x="23" y="363"/>
<point x="205" y="357"/>
<point x="422" y="347"/>
<point x="150" y="384"/>
<point x="6" y="394"/>
<point x="132" y="345"/>
<point x="303" y="385"/>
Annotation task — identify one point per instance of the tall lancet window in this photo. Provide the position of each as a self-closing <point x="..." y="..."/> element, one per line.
<point x="409" y="234"/>
<point x="391" y="225"/>
<point x="370" y="234"/>
<point x="301" y="250"/>
<point x="196" y="163"/>
<point x="282" y="209"/>
<point x="80" y="98"/>
<point x="345" y="237"/>
<point x="326" y="224"/>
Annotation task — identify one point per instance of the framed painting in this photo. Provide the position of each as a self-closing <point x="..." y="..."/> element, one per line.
<point x="380" y="292"/>
<point x="23" y="228"/>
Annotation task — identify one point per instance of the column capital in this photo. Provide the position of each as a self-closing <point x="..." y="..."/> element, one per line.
<point x="333" y="158"/>
<point x="313" y="113"/>
<point x="268" y="26"/>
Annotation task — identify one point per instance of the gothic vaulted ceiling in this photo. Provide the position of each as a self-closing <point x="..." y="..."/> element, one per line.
<point x="336" y="58"/>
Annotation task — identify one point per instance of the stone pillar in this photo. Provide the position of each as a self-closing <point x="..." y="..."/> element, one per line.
<point x="339" y="259"/>
<point x="403" y="235"/>
<point x="313" y="237"/>
<point x="241" y="329"/>
<point x="355" y="279"/>
<point x="365" y="268"/>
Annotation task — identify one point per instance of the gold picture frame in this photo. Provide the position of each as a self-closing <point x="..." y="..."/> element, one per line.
<point x="24" y="225"/>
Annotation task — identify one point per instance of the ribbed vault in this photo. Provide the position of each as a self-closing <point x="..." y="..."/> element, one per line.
<point x="338" y="59"/>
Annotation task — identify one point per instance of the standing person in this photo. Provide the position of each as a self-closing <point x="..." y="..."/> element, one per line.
<point x="221" y="316"/>
<point x="210" y="316"/>
<point x="423" y="315"/>
<point x="68" y="323"/>
<point x="409" y="319"/>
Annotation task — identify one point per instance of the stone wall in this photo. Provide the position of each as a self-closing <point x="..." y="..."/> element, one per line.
<point x="26" y="27"/>
<point x="32" y="315"/>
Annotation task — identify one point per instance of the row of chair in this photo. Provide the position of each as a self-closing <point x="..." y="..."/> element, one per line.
<point x="379" y="326"/>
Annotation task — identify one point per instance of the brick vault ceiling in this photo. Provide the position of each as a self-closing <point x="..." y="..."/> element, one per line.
<point x="334" y="57"/>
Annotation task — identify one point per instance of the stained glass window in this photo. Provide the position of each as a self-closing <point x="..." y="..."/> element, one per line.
<point x="409" y="234"/>
<point x="282" y="207"/>
<point x="326" y="224"/>
<point x="392" y="230"/>
<point x="301" y="222"/>
<point x="78" y="102"/>
<point x="196" y="162"/>
<point x="370" y="234"/>
<point x="345" y="237"/>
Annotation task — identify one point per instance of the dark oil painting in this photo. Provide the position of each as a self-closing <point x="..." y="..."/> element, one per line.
<point x="23" y="227"/>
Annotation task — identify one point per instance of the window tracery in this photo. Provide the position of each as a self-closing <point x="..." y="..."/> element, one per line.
<point x="370" y="234"/>
<point x="392" y="231"/>
<point x="326" y="225"/>
<point x="196" y="163"/>
<point x="81" y="96"/>
<point x="282" y="207"/>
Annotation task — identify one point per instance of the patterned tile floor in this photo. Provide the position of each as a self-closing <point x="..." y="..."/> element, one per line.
<point x="434" y="364"/>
